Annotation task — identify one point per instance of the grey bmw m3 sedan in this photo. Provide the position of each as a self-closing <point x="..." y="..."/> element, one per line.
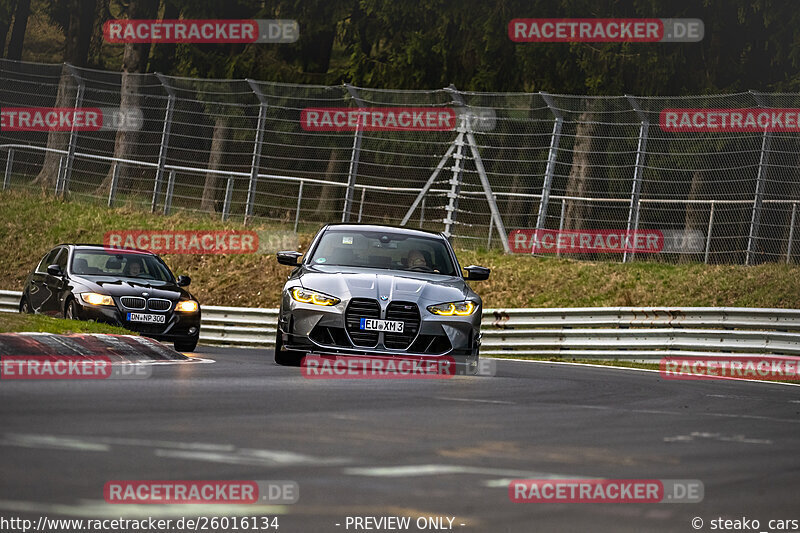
<point x="382" y="291"/>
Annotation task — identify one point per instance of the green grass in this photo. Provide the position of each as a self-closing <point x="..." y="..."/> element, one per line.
<point x="31" y="223"/>
<point x="15" y="322"/>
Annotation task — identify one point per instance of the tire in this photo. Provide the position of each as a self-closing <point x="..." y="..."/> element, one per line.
<point x="71" y="310"/>
<point x="186" y="345"/>
<point x="25" y="306"/>
<point x="285" y="357"/>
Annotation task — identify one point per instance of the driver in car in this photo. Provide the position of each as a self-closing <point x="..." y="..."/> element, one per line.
<point x="133" y="268"/>
<point x="416" y="259"/>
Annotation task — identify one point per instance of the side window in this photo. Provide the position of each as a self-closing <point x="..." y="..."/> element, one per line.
<point x="61" y="260"/>
<point x="47" y="260"/>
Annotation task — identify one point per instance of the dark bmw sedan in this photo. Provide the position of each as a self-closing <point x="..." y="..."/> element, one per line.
<point x="129" y="288"/>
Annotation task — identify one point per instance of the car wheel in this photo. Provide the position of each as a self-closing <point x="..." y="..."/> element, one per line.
<point x="71" y="310"/>
<point x="25" y="306"/>
<point x="285" y="357"/>
<point x="186" y="346"/>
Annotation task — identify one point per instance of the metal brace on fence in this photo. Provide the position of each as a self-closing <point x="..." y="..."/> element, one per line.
<point x="62" y="180"/>
<point x="259" y="140"/>
<point x="763" y="162"/>
<point x="541" y="219"/>
<point x="636" y="189"/>
<point x="354" y="156"/>
<point x="162" y="152"/>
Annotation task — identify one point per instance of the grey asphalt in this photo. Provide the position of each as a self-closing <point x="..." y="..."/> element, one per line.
<point x="439" y="448"/>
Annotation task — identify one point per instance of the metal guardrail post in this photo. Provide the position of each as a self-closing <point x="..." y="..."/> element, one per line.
<point x="541" y="218"/>
<point x="422" y="213"/>
<point x="168" y="196"/>
<point x="710" y="229"/>
<point x="636" y="189"/>
<point x="361" y="204"/>
<point x="73" y="134"/>
<point x="354" y="156"/>
<point x="257" y="144"/>
<point x="162" y="152"/>
<point x="9" y="164"/>
<point x="763" y="162"/>
<point x="791" y="234"/>
<point x="112" y="192"/>
<point x="297" y="212"/>
<point x="58" y="176"/>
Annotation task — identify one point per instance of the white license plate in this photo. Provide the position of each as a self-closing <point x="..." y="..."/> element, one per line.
<point x="145" y="317"/>
<point x="371" y="324"/>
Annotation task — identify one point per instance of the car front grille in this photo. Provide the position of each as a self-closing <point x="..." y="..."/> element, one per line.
<point x="158" y="304"/>
<point x="405" y="312"/>
<point x="357" y="309"/>
<point x="132" y="302"/>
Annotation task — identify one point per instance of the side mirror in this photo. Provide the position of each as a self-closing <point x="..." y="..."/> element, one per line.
<point x="477" y="273"/>
<point x="289" y="258"/>
<point x="55" y="270"/>
<point x="184" y="281"/>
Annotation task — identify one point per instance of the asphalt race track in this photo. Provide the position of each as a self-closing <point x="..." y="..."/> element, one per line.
<point x="438" y="448"/>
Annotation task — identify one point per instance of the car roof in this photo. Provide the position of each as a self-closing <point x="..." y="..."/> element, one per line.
<point x="387" y="229"/>
<point x="82" y="246"/>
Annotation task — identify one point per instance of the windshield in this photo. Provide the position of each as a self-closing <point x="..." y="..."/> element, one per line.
<point x="119" y="265"/>
<point x="391" y="251"/>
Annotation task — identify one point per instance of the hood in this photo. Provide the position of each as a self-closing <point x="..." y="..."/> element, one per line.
<point x="130" y="287"/>
<point x="345" y="283"/>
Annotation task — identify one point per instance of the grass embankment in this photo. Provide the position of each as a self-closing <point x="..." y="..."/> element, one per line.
<point x="30" y="224"/>
<point x="14" y="322"/>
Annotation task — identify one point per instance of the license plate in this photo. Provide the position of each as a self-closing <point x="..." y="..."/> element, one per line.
<point x="145" y="317"/>
<point x="392" y="326"/>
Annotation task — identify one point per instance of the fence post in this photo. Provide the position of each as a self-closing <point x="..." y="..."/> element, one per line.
<point x="60" y="170"/>
<point x="168" y="196"/>
<point x="354" y="155"/>
<point x="73" y="134"/>
<point x="552" y="154"/>
<point x="226" y="205"/>
<point x="422" y="213"/>
<point x="9" y="164"/>
<point x="636" y="189"/>
<point x="710" y="229"/>
<point x="755" y="218"/>
<point x="114" y="181"/>
<point x="791" y="233"/>
<point x="259" y="141"/>
<point x="297" y="213"/>
<point x="162" y="152"/>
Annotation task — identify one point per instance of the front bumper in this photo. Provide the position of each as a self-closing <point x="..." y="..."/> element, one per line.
<point x="177" y="326"/>
<point x="324" y="330"/>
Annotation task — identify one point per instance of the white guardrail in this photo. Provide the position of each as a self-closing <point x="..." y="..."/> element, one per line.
<point x="639" y="333"/>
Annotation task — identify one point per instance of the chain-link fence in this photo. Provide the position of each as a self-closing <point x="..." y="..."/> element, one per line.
<point x="513" y="161"/>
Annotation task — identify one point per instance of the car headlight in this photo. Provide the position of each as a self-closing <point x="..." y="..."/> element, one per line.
<point x="465" y="308"/>
<point x="313" y="297"/>
<point x="187" y="306"/>
<point x="93" y="298"/>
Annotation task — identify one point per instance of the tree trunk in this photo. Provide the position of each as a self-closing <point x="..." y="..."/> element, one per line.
<point x="218" y="142"/>
<point x="579" y="182"/>
<point x="6" y="12"/>
<point x="163" y="59"/>
<point x="327" y="195"/>
<point x="76" y="50"/>
<point x="134" y="62"/>
<point x="18" y="33"/>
